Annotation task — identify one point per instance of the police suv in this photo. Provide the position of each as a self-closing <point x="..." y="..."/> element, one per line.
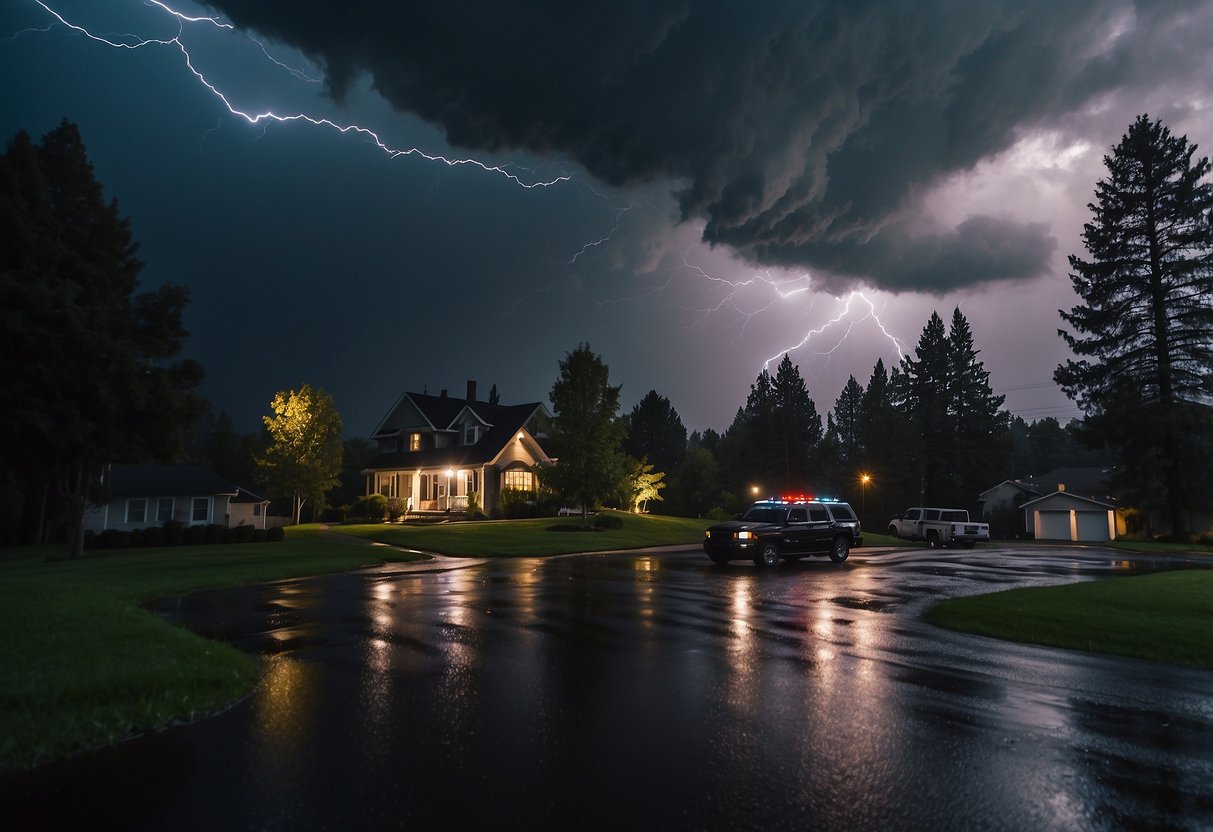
<point x="791" y="528"/>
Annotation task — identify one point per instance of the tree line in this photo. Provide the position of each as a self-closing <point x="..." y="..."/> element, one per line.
<point x="93" y="374"/>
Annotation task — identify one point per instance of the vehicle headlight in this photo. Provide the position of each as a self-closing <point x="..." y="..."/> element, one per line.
<point x="745" y="535"/>
<point x="707" y="533"/>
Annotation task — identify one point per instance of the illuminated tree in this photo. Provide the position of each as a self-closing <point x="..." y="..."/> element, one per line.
<point x="303" y="460"/>
<point x="585" y="433"/>
<point x="1147" y="314"/>
<point x="646" y="484"/>
<point x="90" y="366"/>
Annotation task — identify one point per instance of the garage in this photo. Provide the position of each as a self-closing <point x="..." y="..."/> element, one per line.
<point x="1062" y="516"/>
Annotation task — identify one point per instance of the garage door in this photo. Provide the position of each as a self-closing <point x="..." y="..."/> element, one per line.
<point x="1054" y="525"/>
<point x="1093" y="525"/>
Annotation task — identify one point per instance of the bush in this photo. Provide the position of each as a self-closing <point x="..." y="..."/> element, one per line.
<point x="259" y="535"/>
<point x="212" y="534"/>
<point x="275" y="534"/>
<point x="90" y="539"/>
<point x="113" y="539"/>
<point x="395" y="508"/>
<point x="372" y="508"/>
<point x="334" y="514"/>
<point x="244" y="534"/>
<point x="135" y="538"/>
<point x="174" y="533"/>
<point x="152" y="537"/>
<point x="517" y="504"/>
<point x="608" y="521"/>
<point x="229" y="534"/>
<point x="195" y="535"/>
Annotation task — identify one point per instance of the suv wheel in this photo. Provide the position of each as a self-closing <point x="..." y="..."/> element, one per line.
<point x="768" y="554"/>
<point x="840" y="549"/>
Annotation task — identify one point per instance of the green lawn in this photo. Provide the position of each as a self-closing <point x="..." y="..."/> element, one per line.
<point x="529" y="538"/>
<point x="1166" y="616"/>
<point x="83" y="664"/>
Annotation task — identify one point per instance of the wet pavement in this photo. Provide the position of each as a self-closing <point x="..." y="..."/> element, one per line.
<point x="657" y="691"/>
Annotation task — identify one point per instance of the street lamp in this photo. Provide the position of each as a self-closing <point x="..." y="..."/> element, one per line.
<point x="754" y="489"/>
<point x="864" y="479"/>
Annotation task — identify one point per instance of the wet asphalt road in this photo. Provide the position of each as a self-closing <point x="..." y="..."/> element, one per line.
<point x="656" y="691"/>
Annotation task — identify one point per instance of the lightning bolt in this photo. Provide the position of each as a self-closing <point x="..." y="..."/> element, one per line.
<point x="131" y="41"/>
<point x="841" y="316"/>
<point x="607" y="238"/>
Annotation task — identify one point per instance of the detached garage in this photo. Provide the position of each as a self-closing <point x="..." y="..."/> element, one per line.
<point x="1062" y="516"/>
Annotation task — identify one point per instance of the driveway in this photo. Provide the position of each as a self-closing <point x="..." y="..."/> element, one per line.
<point x="657" y="691"/>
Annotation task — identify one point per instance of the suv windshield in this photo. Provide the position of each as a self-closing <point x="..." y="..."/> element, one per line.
<point x="764" y="514"/>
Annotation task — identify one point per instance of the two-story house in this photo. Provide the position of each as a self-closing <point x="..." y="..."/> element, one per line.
<point x="436" y="450"/>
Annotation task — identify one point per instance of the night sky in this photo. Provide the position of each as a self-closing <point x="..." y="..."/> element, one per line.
<point x="692" y="188"/>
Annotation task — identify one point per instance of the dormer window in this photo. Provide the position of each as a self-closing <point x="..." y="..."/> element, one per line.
<point x="470" y="434"/>
<point x="414" y="441"/>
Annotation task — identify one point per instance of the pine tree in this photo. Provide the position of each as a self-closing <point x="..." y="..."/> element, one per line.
<point x="922" y="397"/>
<point x="1147" y="312"/>
<point x="981" y="445"/>
<point x="91" y="368"/>
<point x="655" y="431"/>
<point x="848" y="415"/>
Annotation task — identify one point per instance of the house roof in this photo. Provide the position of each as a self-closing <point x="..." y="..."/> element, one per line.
<point x="505" y="420"/>
<point x="1019" y="485"/>
<point x="1069" y="496"/>
<point x="148" y="480"/>
<point x="1087" y="482"/>
<point x="246" y="496"/>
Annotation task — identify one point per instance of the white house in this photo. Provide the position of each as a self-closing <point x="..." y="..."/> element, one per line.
<point x="435" y="451"/>
<point x="139" y="496"/>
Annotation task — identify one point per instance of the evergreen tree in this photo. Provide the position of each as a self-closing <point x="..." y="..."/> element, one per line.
<point x="981" y="447"/>
<point x="655" y="431"/>
<point x="922" y="397"/>
<point x="91" y="368"/>
<point x="585" y="431"/>
<point x="848" y="414"/>
<point x="884" y="437"/>
<point x="1147" y="313"/>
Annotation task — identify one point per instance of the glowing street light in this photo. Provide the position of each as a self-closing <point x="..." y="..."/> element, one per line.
<point x="864" y="479"/>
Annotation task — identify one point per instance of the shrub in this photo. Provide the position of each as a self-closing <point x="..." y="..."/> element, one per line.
<point x="228" y="535"/>
<point x="259" y="535"/>
<point x="275" y="534"/>
<point x="195" y="535"/>
<point x="608" y="521"/>
<point x="90" y="539"/>
<point x="334" y="514"/>
<point x="371" y="508"/>
<point x="152" y="537"/>
<point x="395" y="508"/>
<point x="113" y="539"/>
<point x="174" y="533"/>
<point x="516" y="504"/>
<point x="213" y="533"/>
<point x="135" y="537"/>
<point x="244" y="534"/>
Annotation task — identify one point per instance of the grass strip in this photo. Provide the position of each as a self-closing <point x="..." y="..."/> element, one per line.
<point x="533" y="538"/>
<point x="82" y="664"/>
<point x="1166" y="616"/>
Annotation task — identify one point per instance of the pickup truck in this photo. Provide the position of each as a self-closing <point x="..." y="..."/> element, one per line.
<point x="939" y="527"/>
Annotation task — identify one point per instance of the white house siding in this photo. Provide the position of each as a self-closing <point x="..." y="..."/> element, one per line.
<point x="112" y="515"/>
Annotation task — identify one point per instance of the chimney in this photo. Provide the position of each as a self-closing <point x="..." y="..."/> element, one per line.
<point x="442" y="395"/>
<point x="471" y="390"/>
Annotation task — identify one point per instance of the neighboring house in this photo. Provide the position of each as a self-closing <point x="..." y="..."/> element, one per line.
<point x="1088" y="511"/>
<point x="1063" y="515"/>
<point x="434" y="451"/>
<point x="149" y="495"/>
<point x="247" y="509"/>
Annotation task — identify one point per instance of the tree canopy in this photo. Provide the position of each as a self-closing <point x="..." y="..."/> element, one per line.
<point x="1145" y="372"/>
<point x="303" y="460"/>
<point x="91" y="365"/>
<point x="586" y="434"/>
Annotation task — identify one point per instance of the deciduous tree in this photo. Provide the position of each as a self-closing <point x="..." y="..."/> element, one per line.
<point x="303" y="460"/>
<point x="1145" y="372"/>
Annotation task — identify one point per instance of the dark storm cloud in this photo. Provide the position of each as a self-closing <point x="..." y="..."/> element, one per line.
<point x="801" y="133"/>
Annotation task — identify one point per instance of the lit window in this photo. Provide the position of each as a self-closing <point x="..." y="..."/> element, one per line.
<point x="520" y="480"/>
<point x="414" y="441"/>
<point x="201" y="509"/>
<point x="136" y="510"/>
<point x="164" y="509"/>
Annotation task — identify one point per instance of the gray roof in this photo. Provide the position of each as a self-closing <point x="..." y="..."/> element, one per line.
<point x="152" y="480"/>
<point x="1093" y="483"/>
<point x="506" y="421"/>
